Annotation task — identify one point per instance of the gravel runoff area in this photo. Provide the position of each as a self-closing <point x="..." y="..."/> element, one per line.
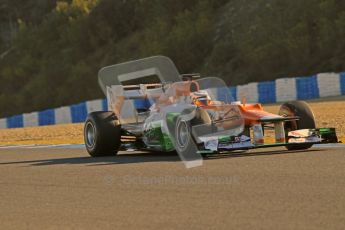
<point x="327" y="113"/>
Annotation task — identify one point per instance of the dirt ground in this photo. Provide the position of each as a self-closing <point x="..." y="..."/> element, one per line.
<point x="327" y="113"/>
<point x="57" y="134"/>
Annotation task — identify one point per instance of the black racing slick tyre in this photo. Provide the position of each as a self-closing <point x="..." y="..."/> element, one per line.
<point x="102" y="134"/>
<point x="184" y="142"/>
<point x="306" y="120"/>
<point x="183" y="137"/>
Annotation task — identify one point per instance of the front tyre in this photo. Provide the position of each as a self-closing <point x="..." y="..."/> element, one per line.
<point x="184" y="142"/>
<point x="306" y="120"/>
<point x="102" y="134"/>
<point x="183" y="136"/>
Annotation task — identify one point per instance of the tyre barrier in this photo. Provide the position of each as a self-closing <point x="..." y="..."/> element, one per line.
<point x="281" y="90"/>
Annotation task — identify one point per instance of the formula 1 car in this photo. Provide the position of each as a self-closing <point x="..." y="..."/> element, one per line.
<point x="153" y="107"/>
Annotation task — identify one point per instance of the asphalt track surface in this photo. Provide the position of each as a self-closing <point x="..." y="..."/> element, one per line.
<point x="63" y="188"/>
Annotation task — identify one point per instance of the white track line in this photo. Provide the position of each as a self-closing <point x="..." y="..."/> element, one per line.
<point x="67" y="146"/>
<point x="15" y="146"/>
<point x="81" y="146"/>
<point x="329" y="146"/>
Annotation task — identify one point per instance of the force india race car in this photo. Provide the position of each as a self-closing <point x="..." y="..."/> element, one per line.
<point x="153" y="107"/>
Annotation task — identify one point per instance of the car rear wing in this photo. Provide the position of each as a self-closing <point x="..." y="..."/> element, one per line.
<point x="159" y="66"/>
<point x="153" y="91"/>
<point x="142" y="91"/>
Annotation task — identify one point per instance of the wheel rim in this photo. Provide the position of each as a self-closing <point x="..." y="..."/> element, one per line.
<point x="182" y="134"/>
<point x="90" y="134"/>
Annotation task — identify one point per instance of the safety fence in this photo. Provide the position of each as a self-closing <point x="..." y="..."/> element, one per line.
<point x="280" y="90"/>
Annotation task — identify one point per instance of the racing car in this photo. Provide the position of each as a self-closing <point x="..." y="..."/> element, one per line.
<point x="153" y="107"/>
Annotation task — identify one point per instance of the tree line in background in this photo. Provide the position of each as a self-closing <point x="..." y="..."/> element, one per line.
<point x="51" y="51"/>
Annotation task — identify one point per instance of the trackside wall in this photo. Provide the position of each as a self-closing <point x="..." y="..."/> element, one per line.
<point x="281" y="90"/>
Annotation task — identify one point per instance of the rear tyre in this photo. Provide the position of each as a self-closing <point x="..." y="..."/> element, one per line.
<point x="102" y="134"/>
<point x="306" y="120"/>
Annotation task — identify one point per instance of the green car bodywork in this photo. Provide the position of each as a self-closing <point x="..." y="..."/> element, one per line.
<point x="156" y="139"/>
